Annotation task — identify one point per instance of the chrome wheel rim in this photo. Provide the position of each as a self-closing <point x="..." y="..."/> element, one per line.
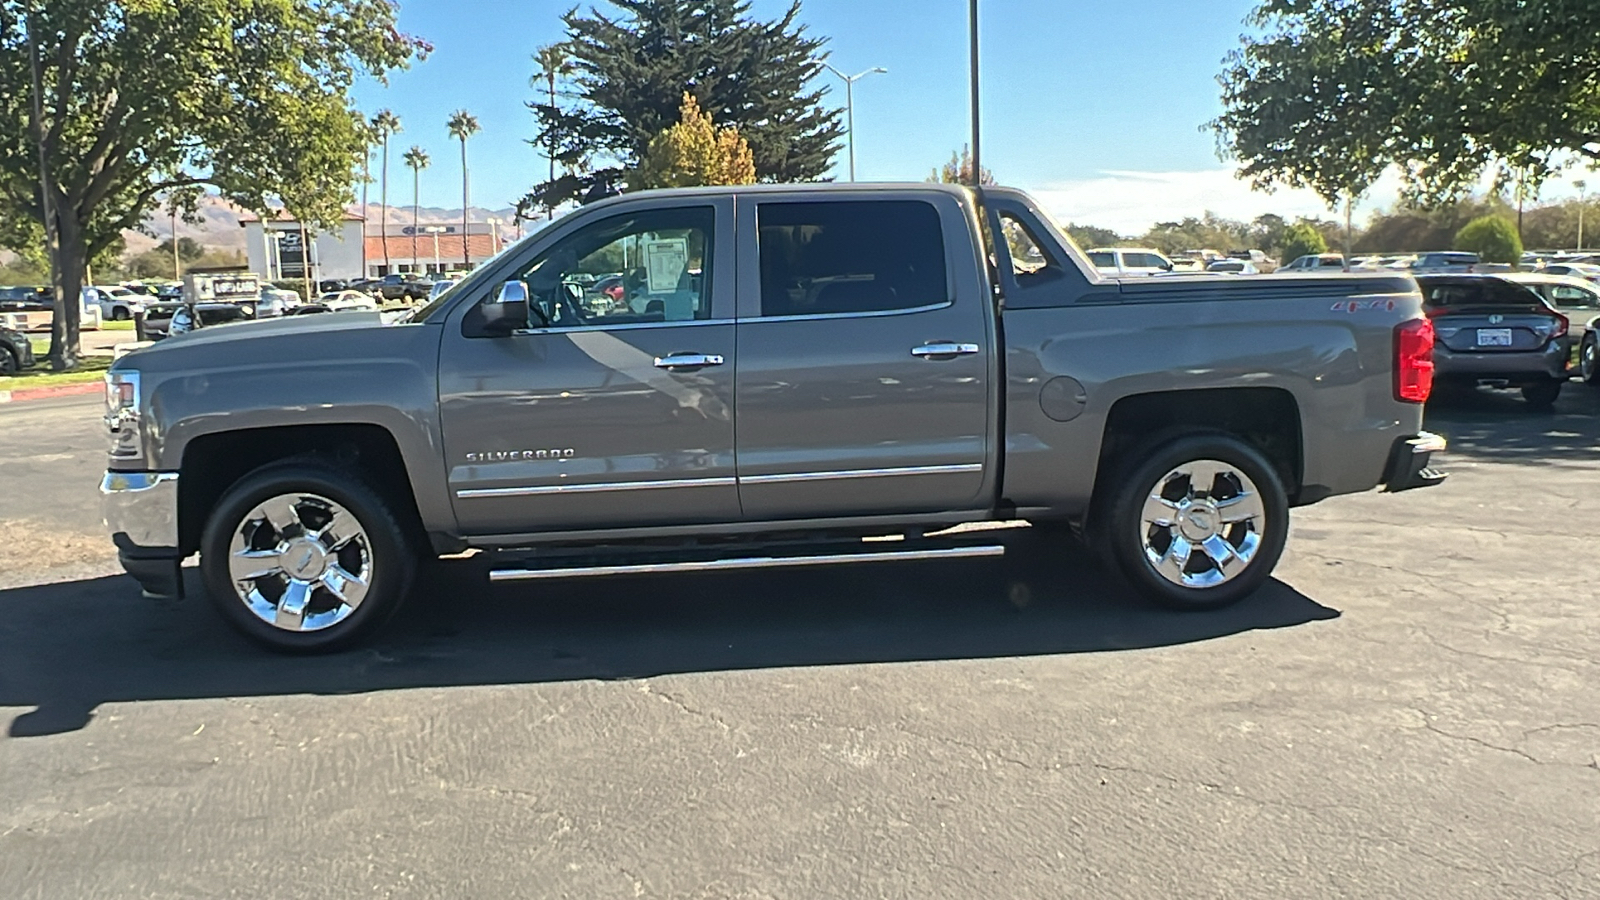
<point x="1587" y="360"/>
<point x="300" y="562"/>
<point x="1202" y="524"/>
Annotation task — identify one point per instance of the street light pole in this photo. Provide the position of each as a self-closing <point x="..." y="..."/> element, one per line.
<point x="977" y="154"/>
<point x="1582" y="186"/>
<point x="435" y="231"/>
<point x="850" y="107"/>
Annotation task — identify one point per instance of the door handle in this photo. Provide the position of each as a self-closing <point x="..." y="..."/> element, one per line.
<point x="944" y="349"/>
<point x="688" y="360"/>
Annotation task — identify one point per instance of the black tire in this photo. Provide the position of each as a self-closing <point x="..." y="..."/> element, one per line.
<point x="393" y="556"/>
<point x="9" y="364"/>
<point x="1589" y="359"/>
<point x="1541" y="395"/>
<point x="120" y="314"/>
<point x="1122" y="532"/>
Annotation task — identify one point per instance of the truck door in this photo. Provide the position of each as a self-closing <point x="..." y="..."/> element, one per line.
<point x="608" y="399"/>
<point x="865" y="356"/>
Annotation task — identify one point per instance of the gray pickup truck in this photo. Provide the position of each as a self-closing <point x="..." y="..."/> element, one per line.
<point x="783" y="376"/>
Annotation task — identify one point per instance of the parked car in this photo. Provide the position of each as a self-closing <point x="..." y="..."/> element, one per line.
<point x="399" y="287"/>
<point x="1452" y="262"/>
<point x="16" y="352"/>
<point x="276" y="302"/>
<point x="1233" y="267"/>
<point x="860" y="359"/>
<point x="1589" y="354"/>
<point x="1586" y="271"/>
<point x="1315" y="262"/>
<point x="1576" y="298"/>
<point x="443" y="285"/>
<point x="1124" y="262"/>
<point x="1495" y="332"/>
<point x="1263" y="263"/>
<point x="24" y="299"/>
<point x="158" y="316"/>
<point x="116" y="303"/>
<point x="336" y="301"/>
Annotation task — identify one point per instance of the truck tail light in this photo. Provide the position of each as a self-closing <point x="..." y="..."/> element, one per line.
<point x="1413" y="361"/>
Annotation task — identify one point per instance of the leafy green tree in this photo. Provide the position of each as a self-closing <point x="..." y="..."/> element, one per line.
<point x="1493" y="238"/>
<point x="106" y="106"/>
<point x="1089" y="236"/>
<point x="695" y="152"/>
<point x="1327" y="94"/>
<point x="461" y="126"/>
<point x="959" y="169"/>
<point x="554" y="63"/>
<point x="631" y="65"/>
<point x="1302" y="239"/>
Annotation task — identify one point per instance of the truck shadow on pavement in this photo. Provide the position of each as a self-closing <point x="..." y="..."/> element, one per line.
<point x="1498" y="425"/>
<point x="65" y="649"/>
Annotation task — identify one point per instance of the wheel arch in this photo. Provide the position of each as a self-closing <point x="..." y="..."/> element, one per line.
<point x="215" y="461"/>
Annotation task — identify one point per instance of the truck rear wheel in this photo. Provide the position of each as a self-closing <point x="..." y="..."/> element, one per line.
<point x="1197" y="523"/>
<point x="305" y="557"/>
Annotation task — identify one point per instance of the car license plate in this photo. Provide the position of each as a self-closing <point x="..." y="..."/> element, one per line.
<point x="1494" y="337"/>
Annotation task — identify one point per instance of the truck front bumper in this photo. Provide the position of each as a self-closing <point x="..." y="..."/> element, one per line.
<point x="1408" y="463"/>
<point x="141" y="512"/>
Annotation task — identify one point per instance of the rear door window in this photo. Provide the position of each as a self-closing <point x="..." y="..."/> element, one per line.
<point x="1570" y="297"/>
<point x="1103" y="260"/>
<point x="843" y="257"/>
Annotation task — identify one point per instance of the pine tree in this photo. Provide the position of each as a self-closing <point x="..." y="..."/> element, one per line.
<point x="631" y="68"/>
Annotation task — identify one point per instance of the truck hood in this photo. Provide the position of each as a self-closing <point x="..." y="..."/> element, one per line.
<point x="288" y="339"/>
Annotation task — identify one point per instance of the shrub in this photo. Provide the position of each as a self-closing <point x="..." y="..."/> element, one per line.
<point x="1493" y="238"/>
<point x="1302" y="239"/>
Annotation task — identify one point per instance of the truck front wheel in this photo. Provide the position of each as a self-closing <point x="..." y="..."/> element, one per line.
<point x="1197" y="523"/>
<point x="305" y="557"/>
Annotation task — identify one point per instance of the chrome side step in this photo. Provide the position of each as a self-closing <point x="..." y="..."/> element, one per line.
<point x="748" y="562"/>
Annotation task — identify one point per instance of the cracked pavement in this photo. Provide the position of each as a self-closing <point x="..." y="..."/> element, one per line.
<point x="1411" y="710"/>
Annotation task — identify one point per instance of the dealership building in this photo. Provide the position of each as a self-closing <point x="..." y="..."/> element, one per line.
<point x="274" y="248"/>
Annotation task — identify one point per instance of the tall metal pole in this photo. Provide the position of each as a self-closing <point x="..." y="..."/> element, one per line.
<point x="977" y="152"/>
<point x="1582" y="187"/>
<point x="850" y="121"/>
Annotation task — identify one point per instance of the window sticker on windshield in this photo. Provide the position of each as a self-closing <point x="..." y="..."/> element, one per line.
<point x="665" y="263"/>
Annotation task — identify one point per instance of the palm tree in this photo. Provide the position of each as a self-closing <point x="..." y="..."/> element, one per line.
<point x="417" y="159"/>
<point x="463" y="125"/>
<point x="385" y="123"/>
<point x="553" y="63"/>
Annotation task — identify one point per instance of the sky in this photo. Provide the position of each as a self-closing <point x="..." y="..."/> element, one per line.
<point x="1097" y="107"/>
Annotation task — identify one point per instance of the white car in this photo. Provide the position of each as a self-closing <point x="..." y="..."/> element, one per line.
<point x="275" y="302"/>
<point x="440" y="286"/>
<point x="1123" y="262"/>
<point x="338" y="301"/>
<point x="1585" y="271"/>
<point x="116" y="303"/>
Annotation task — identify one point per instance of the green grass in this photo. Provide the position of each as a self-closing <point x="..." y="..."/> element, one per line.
<point x="90" y="369"/>
<point x="109" y="325"/>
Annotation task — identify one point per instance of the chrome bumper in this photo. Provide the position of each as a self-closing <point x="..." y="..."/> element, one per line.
<point x="141" y="513"/>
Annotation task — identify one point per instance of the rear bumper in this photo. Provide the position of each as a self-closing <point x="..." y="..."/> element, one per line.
<point x="1408" y="463"/>
<point x="141" y="513"/>
<point x="1513" y="368"/>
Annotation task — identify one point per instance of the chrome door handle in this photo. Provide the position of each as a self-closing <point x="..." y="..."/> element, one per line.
<point x="688" y="361"/>
<point x="944" y="348"/>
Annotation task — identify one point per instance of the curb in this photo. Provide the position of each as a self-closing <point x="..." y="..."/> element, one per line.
<point x="45" y="393"/>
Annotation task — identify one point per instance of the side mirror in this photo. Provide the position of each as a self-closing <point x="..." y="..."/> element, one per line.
<point x="508" y="311"/>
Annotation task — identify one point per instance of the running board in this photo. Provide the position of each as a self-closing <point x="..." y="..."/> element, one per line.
<point x="748" y="562"/>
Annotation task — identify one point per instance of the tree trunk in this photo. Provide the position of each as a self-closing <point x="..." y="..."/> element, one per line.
<point x="69" y="261"/>
<point x="466" y="205"/>
<point x="416" y="209"/>
<point x="383" y="207"/>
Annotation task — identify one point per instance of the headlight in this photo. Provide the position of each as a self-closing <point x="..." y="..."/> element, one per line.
<point x="122" y="413"/>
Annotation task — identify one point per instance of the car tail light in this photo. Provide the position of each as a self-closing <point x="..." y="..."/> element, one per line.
<point x="1558" y="326"/>
<point x="1413" y="361"/>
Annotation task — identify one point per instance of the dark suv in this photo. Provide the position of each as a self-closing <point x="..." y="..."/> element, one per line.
<point x="1490" y="331"/>
<point x="16" y="351"/>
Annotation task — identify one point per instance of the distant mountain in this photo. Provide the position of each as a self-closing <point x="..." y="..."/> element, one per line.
<point x="220" y="226"/>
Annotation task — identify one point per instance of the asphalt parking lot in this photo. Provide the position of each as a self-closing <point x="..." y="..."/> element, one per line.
<point x="1412" y="709"/>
